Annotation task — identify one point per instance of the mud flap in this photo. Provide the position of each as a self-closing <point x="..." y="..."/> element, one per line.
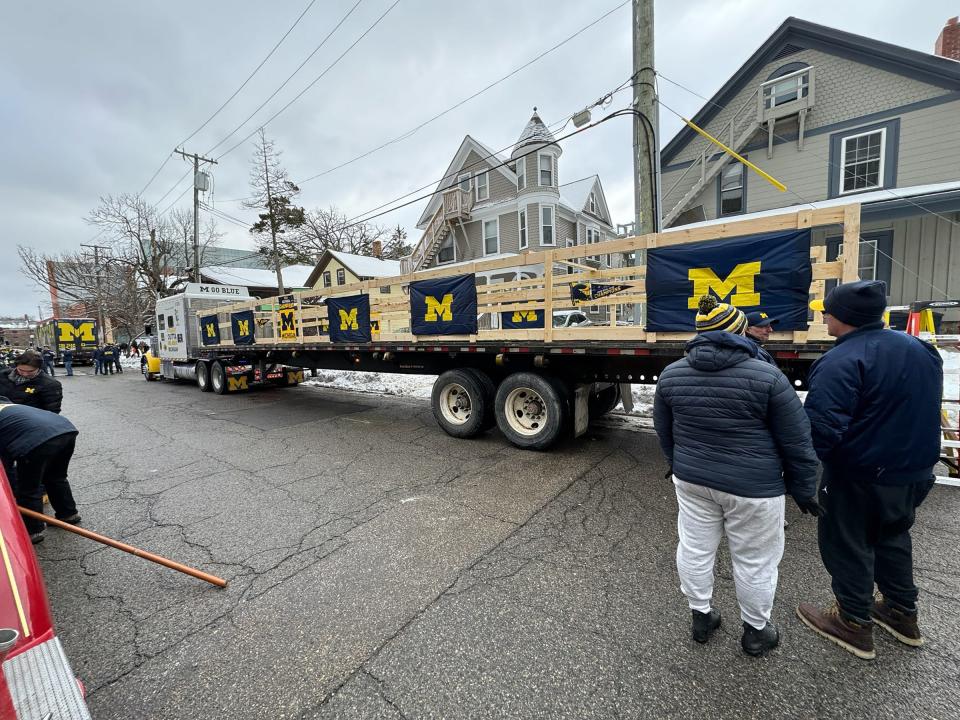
<point x="626" y="397"/>
<point x="581" y="409"/>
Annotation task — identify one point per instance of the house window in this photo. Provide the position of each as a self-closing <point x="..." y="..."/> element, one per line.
<point x="326" y="279"/>
<point x="447" y="253"/>
<point x="522" y="222"/>
<point x="483" y="186"/>
<point x="546" y="225"/>
<point x="593" y="203"/>
<point x="593" y="236"/>
<point x="521" y="173"/>
<point x="491" y="237"/>
<point x="384" y="289"/>
<point x="341" y="276"/>
<point x="464" y="181"/>
<point x="787" y="89"/>
<point x="861" y="161"/>
<point x="731" y="189"/>
<point x="874" y="262"/>
<point x="546" y="170"/>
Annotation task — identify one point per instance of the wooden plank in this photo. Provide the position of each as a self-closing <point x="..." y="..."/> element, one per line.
<point x="827" y="270"/>
<point x="548" y="300"/>
<point x="601" y="332"/>
<point x="851" y="243"/>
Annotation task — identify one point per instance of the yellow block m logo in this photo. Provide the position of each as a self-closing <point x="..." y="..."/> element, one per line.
<point x="81" y="331"/>
<point x="287" y="323"/>
<point x="741" y="282"/>
<point x="211" y="330"/>
<point x="348" y="320"/>
<point x="236" y="383"/>
<point x="439" y="309"/>
<point x="524" y="316"/>
<point x="243" y="327"/>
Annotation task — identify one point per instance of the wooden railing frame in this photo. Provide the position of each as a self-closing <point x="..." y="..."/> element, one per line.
<point x="551" y="291"/>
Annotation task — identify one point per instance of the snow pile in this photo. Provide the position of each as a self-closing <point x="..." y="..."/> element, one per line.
<point x="130" y="362"/>
<point x="417" y="386"/>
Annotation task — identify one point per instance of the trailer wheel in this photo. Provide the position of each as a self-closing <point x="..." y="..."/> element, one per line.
<point x="604" y="401"/>
<point x="489" y="396"/>
<point x="218" y="378"/>
<point x="460" y="401"/>
<point x="203" y="376"/>
<point x="531" y="410"/>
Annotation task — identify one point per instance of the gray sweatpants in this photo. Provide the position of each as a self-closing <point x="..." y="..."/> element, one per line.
<point x="754" y="530"/>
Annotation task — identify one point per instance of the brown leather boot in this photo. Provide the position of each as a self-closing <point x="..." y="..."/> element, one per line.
<point x="903" y="626"/>
<point x="851" y="636"/>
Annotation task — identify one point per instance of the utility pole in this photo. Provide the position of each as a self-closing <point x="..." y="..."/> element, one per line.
<point x="96" y="269"/>
<point x="197" y="159"/>
<point x="273" y="225"/>
<point x="644" y="135"/>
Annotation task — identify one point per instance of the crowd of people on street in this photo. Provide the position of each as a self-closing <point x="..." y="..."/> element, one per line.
<point x="738" y="440"/>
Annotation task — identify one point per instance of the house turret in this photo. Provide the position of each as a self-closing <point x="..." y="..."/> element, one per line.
<point x="537" y="158"/>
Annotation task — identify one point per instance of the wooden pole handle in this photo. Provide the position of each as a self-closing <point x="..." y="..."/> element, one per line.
<point x="173" y="565"/>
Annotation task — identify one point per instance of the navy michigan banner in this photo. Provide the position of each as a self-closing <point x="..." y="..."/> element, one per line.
<point x="444" y="306"/>
<point x="769" y="272"/>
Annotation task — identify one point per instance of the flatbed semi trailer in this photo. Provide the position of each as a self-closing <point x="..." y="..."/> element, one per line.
<point x="535" y="382"/>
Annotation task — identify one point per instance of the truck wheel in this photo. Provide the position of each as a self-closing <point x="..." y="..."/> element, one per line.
<point x="218" y="378"/>
<point x="203" y="377"/>
<point x="459" y="402"/>
<point x="531" y="410"/>
<point x="604" y="401"/>
<point x="489" y="395"/>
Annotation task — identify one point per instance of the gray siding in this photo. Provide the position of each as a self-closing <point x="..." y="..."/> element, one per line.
<point x="533" y="225"/>
<point x="509" y="232"/>
<point x="566" y="230"/>
<point x="929" y="247"/>
<point x="533" y="175"/>
<point x="844" y="89"/>
<point x="500" y="187"/>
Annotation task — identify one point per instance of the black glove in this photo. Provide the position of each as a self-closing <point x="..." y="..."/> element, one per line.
<point x="669" y="475"/>
<point x="810" y="506"/>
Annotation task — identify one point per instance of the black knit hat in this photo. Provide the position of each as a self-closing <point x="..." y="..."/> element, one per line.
<point x="29" y="357"/>
<point x="857" y="303"/>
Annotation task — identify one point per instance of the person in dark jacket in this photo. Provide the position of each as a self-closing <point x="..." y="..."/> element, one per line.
<point x="25" y="384"/>
<point x="737" y="440"/>
<point x="41" y="443"/>
<point x="117" y="354"/>
<point x="874" y="406"/>
<point x="759" y="328"/>
<point x="97" y="358"/>
<point x="68" y="361"/>
<point x="106" y="355"/>
<point x="48" y="361"/>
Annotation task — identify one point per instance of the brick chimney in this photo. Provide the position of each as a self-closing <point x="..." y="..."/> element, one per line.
<point x="377" y="249"/>
<point x="948" y="44"/>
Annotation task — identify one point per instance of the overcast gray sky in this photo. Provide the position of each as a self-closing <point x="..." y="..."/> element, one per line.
<point x="95" y="95"/>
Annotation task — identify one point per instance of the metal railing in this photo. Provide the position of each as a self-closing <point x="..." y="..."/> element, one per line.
<point x="456" y="204"/>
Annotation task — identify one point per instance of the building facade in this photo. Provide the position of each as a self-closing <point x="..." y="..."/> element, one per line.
<point x="837" y="118"/>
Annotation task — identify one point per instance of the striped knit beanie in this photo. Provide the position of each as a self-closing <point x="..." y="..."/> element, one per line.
<point x="715" y="315"/>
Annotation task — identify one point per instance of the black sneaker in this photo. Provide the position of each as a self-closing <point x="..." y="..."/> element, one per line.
<point x="757" y="642"/>
<point x="704" y="624"/>
<point x="72" y="519"/>
<point x="36" y="538"/>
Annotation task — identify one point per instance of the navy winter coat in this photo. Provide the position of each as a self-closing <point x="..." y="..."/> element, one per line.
<point x="24" y="428"/>
<point x="874" y="406"/>
<point x="732" y="422"/>
<point x="762" y="353"/>
<point x="42" y="391"/>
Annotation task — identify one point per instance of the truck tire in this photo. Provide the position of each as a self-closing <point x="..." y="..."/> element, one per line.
<point x="203" y="376"/>
<point x="604" y="401"/>
<point x="460" y="401"/>
<point x="218" y="378"/>
<point x="532" y="410"/>
<point x="489" y="396"/>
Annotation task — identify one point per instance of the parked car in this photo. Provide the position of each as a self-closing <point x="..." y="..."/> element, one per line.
<point x="570" y="318"/>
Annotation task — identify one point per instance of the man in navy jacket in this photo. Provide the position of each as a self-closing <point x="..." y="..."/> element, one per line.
<point x="874" y="409"/>
<point x="737" y="440"/>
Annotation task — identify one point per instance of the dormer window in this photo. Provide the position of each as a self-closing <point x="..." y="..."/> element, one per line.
<point x="592" y="203"/>
<point x="482" y="181"/>
<point x="788" y="91"/>
<point x="546" y="170"/>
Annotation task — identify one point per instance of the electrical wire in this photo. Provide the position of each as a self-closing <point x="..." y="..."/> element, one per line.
<point x="412" y="131"/>
<point x="312" y="83"/>
<point x="250" y="76"/>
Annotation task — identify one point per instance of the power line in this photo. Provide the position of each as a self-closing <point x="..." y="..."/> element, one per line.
<point x="250" y="76"/>
<point x="453" y="107"/>
<point x="284" y="83"/>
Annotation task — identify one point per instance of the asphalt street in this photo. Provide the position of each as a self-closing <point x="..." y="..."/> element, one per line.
<point x="380" y="569"/>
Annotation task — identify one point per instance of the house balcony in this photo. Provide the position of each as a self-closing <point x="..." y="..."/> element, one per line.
<point x="790" y="94"/>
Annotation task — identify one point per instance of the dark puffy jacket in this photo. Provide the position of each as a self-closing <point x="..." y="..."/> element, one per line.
<point x="23" y="429"/>
<point x="731" y="422"/>
<point x="42" y="392"/>
<point x="874" y="406"/>
<point x="762" y="353"/>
